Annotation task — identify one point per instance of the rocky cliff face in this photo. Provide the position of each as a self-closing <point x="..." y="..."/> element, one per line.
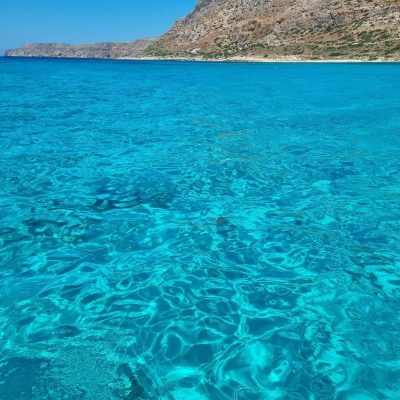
<point x="269" y="28"/>
<point x="97" y="50"/>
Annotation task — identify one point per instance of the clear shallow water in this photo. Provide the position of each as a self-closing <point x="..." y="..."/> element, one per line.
<point x="199" y="231"/>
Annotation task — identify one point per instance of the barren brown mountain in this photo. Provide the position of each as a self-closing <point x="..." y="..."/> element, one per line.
<point x="269" y="28"/>
<point x="293" y="29"/>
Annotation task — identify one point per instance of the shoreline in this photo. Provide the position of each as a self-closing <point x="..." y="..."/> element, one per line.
<point x="257" y="59"/>
<point x="234" y="59"/>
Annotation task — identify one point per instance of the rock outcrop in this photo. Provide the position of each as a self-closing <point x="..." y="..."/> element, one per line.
<point x="277" y="28"/>
<point x="97" y="50"/>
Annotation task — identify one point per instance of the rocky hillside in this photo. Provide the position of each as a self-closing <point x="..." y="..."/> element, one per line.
<point x="313" y="29"/>
<point x="97" y="50"/>
<point x="299" y="29"/>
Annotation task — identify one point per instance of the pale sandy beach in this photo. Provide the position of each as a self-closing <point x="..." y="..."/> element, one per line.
<point x="288" y="59"/>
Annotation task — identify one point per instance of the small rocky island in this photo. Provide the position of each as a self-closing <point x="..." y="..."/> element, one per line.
<point x="266" y="29"/>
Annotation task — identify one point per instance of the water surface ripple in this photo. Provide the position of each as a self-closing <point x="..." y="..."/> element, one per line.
<point x="194" y="231"/>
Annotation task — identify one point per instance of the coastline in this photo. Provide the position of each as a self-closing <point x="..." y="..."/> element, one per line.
<point x="257" y="59"/>
<point x="234" y="59"/>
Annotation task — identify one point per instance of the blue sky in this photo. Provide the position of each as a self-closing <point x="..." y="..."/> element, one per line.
<point x="86" y="21"/>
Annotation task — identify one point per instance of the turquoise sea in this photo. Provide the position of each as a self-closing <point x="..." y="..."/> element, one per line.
<point x="195" y="231"/>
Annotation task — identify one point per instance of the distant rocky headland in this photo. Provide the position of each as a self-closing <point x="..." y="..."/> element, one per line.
<point x="96" y="50"/>
<point x="262" y="29"/>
